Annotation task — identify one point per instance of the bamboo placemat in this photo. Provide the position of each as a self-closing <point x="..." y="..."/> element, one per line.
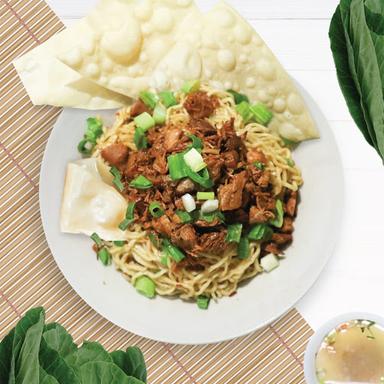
<point x="29" y="276"/>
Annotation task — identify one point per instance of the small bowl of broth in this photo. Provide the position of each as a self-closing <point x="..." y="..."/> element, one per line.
<point x="347" y="349"/>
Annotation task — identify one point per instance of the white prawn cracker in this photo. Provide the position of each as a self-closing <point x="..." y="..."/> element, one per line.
<point x="221" y="48"/>
<point x="125" y="41"/>
<point x="49" y="81"/>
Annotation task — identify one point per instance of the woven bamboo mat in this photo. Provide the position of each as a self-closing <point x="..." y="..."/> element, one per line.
<point x="29" y="276"/>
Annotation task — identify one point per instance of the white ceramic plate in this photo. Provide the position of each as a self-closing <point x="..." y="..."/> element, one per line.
<point x="257" y="303"/>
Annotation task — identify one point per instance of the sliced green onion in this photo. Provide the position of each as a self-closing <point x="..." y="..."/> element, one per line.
<point x="168" y="98"/>
<point x="155" y="240"/>
<point x="96" y="238"/>
<point x="196" y="142"/>
<point x="140" y="139"/>
<point x="145" y="286"/>
<point x="205" y="195"/>
<point x="269" y="262"/>
<point x="164" y="260"/>
<point x="211" y="216"/>
<point x="176" y="166"/>
<point x="95" y="126"/>
<point x="104" y="256"/>
<point x="172" y="251"/>
<point x="159" y="114"/>
<point x="234" y="233"/>
<point x="210" y="206"/>
<point x="260" y="232"/>
<point x="85" y="147"/>
<point x="141" y="182"/>
<point x="119" y="243"/>
<point x="202" y="302"/>
<point x="279" y="219"/>
<point x="184" y="216"/>
<point x="155" y="209"/>
<point x="290" y="162"/>
<point x="129" y="216"/>
<point x="289" y="143"/>
<point x="117" y="179"/>
<point x="239" y="97"/>
<point x="188" y="202"/>
<point x="243" y="109"/>
<point x="144" y="121"/>
<point x="202" y="178"/>
<point x="149" y="99"/>
<point x="194" y="160"/>
<point x="259" y="165"/>
<point x="261" y="113"/>
<point x="191" y="86"/>
<point x="243" y="248"/>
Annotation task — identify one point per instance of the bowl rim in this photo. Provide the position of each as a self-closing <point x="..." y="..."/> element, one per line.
<point x="318" y="336"/>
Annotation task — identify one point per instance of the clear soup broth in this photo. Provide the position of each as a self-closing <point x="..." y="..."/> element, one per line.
<point x="352" y="353"/>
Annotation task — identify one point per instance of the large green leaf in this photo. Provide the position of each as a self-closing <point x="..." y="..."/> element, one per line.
<point x="45" y="378"/>
<point x="6" y="347"/>
<point x="368" y="71"/>
<point x="55" y="365"/>
<point x="58" y="339"/>
<point x="27" y="361"/>
<point x="100" y="372"/>
<point x="131" y="362"/>
<point x="346" y="73"/>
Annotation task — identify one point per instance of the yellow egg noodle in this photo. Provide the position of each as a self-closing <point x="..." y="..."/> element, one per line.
<point x="224" y="272"/>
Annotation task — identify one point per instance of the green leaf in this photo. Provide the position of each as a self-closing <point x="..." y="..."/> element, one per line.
<point x="6" y="347"/>
<point x="58" y="339"/>
<point x="55" y="365"/>
<point x="131" y="362"/>
<point x="100" y="372"/>
<point x="27" y="360"/>
<point x="346" y="73"/>
<point x="45" y="378"/>
<point x="368" y="73"/>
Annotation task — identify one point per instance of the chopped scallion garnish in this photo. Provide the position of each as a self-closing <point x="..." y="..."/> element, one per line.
<point x="196" y="142"/>
<point x="243" y="109"/>
<point x="191" y="86"/>
<point x="96" y="238"/>
<point x="239" y="97"/>
<point x="260" y="232"/>
<point x="141" y="182"/>
<point x="159" y="114"/>
<point x="119" y="243"/>
<point x="168" y="98"/>
<point x="202" y="178"/>
<point x="117" y="179"/>
<point x="85" y="147"/>
<point x="176" y="166"/>
<point x="149" y="99"/>
<point x="261" y="114"/>
<point x="279" y="219"/>
<point x="234" y="233"/>
<point x="104" y="256"/>
<point x="129" y="216"/>
<point x="202" y="302"/>
<point x="155" y="240"/>
<point x="290" y="162"/>
<point x="164" y="260"/>
<point x="144" y="121"/>
<point x="194" y="160"/>
<point x="259" y="165"/>
<point x="146" y="286"/>
<point x="205" y="195"/>
<point x="184" y="216"/>
<point x="155" y="209"/>
<point x="210" y="217"/>
<point x="172" y="251"/>
<point x="243" y="248"/>
<point x="140" y="139"/>
<point x="95" y="126"/>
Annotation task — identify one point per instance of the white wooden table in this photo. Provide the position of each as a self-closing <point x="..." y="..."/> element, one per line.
<point x="297" y="31"/>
